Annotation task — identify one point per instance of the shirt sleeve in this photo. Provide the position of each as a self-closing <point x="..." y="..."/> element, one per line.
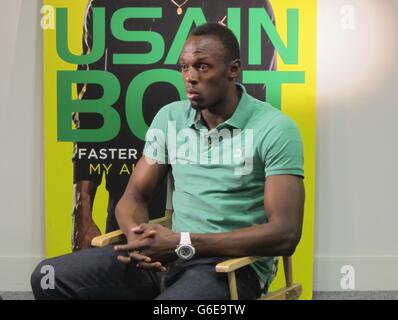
<point x="281" y="148"/>
<point x="156" y="138"/>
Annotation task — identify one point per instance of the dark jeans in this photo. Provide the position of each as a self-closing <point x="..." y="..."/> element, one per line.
<point x="96" y="274"/>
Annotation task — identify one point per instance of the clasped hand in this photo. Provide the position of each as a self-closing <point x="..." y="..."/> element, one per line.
<point x="149" y="246"/>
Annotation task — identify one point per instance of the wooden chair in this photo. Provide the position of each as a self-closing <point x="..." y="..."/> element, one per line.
<point x="291" y="291"/>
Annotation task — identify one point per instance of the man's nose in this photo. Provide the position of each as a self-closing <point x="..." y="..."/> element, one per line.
<point x="191" y="75"/>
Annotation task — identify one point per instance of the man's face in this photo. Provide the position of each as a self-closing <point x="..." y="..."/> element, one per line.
<point x="205" y="71"/>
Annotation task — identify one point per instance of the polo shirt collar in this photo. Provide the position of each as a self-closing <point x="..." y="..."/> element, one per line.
<point x="193" y="118"/>
<point x="238" y="119"/>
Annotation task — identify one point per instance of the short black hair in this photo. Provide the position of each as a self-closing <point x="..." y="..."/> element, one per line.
<point x="225" y="35"/>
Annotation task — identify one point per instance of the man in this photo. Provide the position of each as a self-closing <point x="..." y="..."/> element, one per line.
<point x="85" y="182"/>
<point x="250" y="206"/>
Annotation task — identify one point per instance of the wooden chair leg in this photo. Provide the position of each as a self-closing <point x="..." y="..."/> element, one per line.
<point x="287" y="267"/>
<point x="233" y="289"/>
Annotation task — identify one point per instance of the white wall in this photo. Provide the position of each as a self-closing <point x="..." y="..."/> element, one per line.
<point x="21" y="144"/>
<point x="356" y="150"/>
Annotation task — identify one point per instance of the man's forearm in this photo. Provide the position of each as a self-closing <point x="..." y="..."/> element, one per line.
<point x="132" y="209"/>
<point x="131" y="212"/>
<point x="260" y="240"/>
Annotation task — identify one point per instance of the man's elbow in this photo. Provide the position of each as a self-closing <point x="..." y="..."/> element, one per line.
<point x="119" y="209"/>
<point x="289" y="243"/>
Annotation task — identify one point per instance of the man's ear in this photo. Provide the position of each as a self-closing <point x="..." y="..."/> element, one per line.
<point x="234" y="68"/>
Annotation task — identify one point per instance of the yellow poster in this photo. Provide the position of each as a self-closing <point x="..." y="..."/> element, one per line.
<point x="278" y="46"/>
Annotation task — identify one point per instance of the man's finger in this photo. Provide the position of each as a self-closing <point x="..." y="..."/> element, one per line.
<point x="135" y="256"/>
<point x="150" y="266"/>
<point x="142" y="231"/>
<point x="135" y="245"/>
<point x="126" y="247"/>
<point x="123" y="259"/>
<point x="137" y="229"/>
<point x="149" y="234"/>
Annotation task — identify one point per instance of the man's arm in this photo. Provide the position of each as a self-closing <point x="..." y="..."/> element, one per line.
<point x="284" y="207"/>
<point x="132" y="209"/>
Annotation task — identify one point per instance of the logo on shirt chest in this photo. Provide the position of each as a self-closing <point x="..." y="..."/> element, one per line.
<point x="229" y="148"/>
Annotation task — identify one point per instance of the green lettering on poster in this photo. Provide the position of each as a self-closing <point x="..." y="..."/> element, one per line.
<point x="273" y="81"/>
<point x="192" y="16"/>
<point x="135" y="96"/>
<point x="233" y="18"/>
<point x="103" y="106"/>
<point x="258" y="20"/>
<point x="98" y="45"/>
<point x="153" y="38"/>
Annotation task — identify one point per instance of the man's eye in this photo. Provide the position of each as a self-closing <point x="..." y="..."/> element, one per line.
<point x="203" y="67"/>
<point x="184" y="67"/>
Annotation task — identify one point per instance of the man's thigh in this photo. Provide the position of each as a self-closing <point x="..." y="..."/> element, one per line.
<point x="202" y="282"/>
<point x="95" y="274"/>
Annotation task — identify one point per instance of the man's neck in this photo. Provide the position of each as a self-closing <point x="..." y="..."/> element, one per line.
<point x="223" y="110"/>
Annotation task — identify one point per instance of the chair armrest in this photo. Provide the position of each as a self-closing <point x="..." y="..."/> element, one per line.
<point x="236" y="263"/>
<point x="108" y="238"/>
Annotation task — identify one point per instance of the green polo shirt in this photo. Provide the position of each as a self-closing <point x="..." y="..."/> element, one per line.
<point x="219" y="174"/>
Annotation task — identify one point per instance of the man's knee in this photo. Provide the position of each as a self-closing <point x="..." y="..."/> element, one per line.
<point x="49" y="280"/>
<point x="42" y="279"/>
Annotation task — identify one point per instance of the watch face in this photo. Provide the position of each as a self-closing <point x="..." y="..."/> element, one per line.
<point x="185" y="252"/>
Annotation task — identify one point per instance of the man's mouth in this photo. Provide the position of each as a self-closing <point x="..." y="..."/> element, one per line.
<point x="192" y="94"/>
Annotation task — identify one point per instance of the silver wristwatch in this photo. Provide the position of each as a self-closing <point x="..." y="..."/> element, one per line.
<point x="185" y="250"/>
